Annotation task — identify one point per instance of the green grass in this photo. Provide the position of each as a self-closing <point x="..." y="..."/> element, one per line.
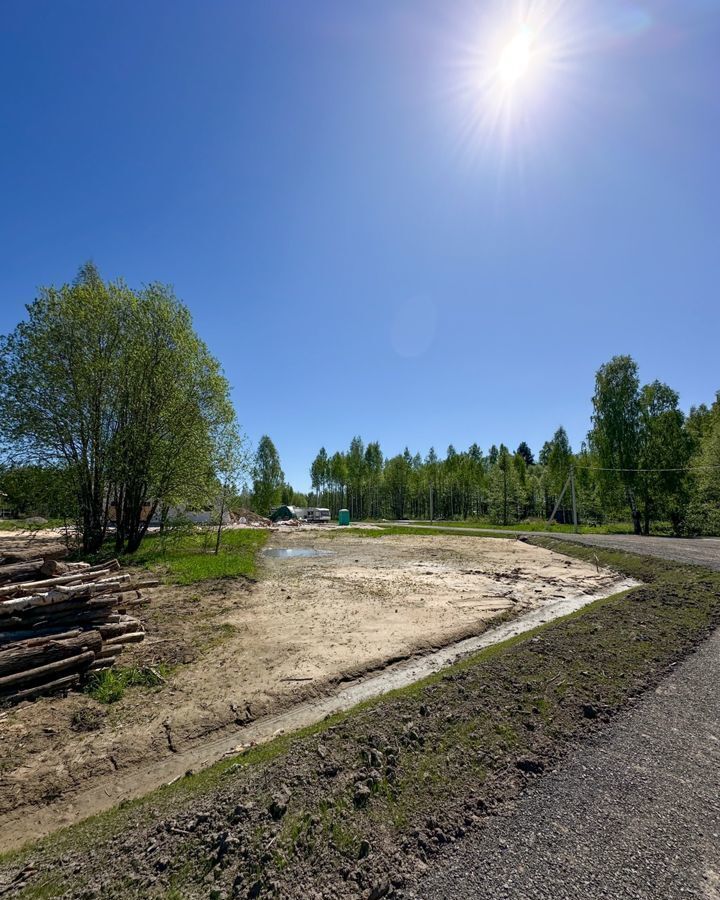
<point x="391" y="530"/>
<point x="22" y="525"/>
<point x="485" y="528"/>
<point x="187" y="556"/>
<point x="661" y="529"/>
<point x="110" y="685"/>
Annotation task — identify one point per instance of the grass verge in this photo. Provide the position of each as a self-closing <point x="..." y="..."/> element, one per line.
<point x="187" y="556"/>
<point x="353" y="805"/>
<point x="541" y="525"/>
<point x="24" y="525"/>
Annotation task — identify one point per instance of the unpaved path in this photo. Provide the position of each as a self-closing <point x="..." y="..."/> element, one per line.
<point x="634" y="815"/>
<point x="245" y="653"/>
<point x="695" y="551"/>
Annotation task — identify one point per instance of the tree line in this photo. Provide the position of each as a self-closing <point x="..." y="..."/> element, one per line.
<point x="643" y="461"/>
<point x="113" y="411"/>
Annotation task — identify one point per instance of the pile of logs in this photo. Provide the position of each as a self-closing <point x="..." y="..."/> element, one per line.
<point x="60" y="621"/>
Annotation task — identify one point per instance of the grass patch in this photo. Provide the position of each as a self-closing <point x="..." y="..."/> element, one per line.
<point x="187" y="556"/>
<point x="110" y="685"/>
<point x="23" y="525"/>
<point x="538" y="525"/>
<point x="659" y="529"/>
<point x="393" y="530"/>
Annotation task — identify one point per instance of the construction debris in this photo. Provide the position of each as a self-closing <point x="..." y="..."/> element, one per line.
<point x="61" y="620"/>
<point x="249" y="519"/>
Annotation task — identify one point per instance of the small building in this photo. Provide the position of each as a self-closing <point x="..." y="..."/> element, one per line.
<point x="284" y="513"/>
<point x="187" y="514"/>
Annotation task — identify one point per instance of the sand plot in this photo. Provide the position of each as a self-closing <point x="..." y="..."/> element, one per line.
<point x="243" y="651"/>
<point x="375" y="599"/>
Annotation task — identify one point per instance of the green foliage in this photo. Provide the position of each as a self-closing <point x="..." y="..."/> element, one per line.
<point x="268" y="477"/>
<point x="634" y="428"/>
<point x="704" y="514"/>
<point x="187" y="556"/>
<point x="110" y="685"/>
<point x="38" y="491"/>
<point x="23" y="525"/>
<point x="114" y="387"/>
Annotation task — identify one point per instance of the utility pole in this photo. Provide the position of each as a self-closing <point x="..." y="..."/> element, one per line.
<point x="431" y="502"/>
<point x="574" y="504"/>
<point x="559" y="499"/>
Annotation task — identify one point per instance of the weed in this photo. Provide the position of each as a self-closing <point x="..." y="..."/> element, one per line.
<point x="109" y="685"/>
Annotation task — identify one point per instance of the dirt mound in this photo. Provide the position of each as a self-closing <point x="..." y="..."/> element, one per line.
<point x="247" y="517"/>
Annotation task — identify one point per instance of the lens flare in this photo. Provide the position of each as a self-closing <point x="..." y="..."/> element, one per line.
<point x="516" y="58"/>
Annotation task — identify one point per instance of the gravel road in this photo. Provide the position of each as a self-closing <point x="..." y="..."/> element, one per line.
<point x="700" y="551"/>
<point x="635" y="813"/>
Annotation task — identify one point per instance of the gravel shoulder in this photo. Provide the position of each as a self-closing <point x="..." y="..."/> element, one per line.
<point x="634" y="814"/>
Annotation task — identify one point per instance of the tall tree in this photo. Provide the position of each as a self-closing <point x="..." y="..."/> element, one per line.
<point x="705" y="503"/>
<point x="113" y="387"/>
<point x="268" y="476"/>
<point x="664" y="453"/>
<point x="526" y="453"/>
<point x="557" y="464"/>
<point x="174" y="414"/>
<point x="319" y="473"/>
<point x="60" y="377"/>
<point x="616" y="425"/>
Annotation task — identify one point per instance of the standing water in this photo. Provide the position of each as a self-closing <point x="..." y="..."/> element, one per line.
<point x="291" y="553"/>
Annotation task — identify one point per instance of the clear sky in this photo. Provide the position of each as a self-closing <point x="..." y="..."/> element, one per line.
<point x="377" y="235"/>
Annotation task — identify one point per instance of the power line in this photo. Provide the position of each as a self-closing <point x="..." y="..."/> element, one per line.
<point x="683" y="469"/>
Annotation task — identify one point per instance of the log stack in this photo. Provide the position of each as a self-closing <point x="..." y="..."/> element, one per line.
<point x="60" y="621"/>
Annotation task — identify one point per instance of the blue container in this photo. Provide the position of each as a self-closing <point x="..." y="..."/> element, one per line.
<point x="344" y="517"/>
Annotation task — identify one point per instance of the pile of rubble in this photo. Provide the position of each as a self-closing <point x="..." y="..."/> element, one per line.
<point x="249" y="519"/>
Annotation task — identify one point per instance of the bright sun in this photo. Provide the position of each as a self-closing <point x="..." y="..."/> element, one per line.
<point x="516" y="57"/>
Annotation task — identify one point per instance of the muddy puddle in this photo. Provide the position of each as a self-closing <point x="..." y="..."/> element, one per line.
<point x="294" y="552"/>
<point x="24" y="824"/>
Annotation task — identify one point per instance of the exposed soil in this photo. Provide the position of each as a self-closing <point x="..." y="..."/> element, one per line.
<point x="358" y="807"/>
<point x="634" y="815"/>
<point x="242" y="650"/>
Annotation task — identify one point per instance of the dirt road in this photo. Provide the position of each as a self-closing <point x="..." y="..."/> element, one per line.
<point x="697" y="551"/>
<point x="634" y="814"/>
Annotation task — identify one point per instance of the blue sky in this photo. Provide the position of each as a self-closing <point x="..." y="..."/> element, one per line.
<point x="373" y="237"/>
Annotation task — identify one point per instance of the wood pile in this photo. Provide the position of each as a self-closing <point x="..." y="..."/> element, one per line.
<point x="60" y="621"/>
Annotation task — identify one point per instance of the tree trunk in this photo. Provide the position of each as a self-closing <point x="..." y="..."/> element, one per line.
<point x="634" y="511"/>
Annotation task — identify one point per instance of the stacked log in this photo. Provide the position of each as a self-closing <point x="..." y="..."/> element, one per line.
<point x="60" y="621"/>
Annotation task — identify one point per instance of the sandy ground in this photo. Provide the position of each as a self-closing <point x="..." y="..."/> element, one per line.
<point x="242" y="650"/>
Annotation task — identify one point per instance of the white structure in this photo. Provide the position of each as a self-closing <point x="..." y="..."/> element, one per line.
<point x="318" y="514"/>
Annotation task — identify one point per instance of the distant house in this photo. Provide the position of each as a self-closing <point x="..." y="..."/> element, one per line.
<point x="205" y="516"/>
<point x="284" y="513"/>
